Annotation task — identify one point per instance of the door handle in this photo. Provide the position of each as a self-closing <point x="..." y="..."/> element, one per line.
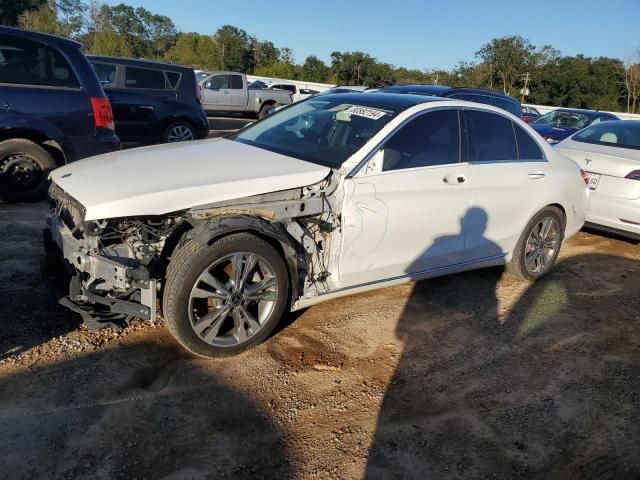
<point x="537" y="175"/>
<point x="146" y="107"/>
<point x="454" y="179"/>
<point x="4" y="106"/>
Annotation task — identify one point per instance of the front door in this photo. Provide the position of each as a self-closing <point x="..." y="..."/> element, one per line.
<point x="403" y="213"/>
<point x="213" y="93"/>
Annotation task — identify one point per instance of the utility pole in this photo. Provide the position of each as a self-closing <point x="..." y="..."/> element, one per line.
<point x="525" y="90"/>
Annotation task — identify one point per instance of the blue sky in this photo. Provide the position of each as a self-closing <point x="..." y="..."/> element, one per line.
<point x="413" y="33"/>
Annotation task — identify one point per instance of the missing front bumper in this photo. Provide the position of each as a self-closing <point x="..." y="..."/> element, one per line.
<point x="67" y="268"/>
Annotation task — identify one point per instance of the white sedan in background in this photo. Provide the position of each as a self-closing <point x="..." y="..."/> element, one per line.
<point x="328" y="197"/>
<point x="610" y="153"/>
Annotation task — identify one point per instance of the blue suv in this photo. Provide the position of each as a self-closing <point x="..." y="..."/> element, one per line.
<point x="53" y="111"/>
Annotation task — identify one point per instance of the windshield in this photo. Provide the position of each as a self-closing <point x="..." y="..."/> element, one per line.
<point x="563" y="119"/>
<point x="326" y="131"/>
<point x="612" y="134"/>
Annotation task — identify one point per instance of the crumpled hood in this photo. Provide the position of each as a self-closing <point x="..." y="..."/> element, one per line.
<point x="166" y="178"/>
<point x="553" y="132"/>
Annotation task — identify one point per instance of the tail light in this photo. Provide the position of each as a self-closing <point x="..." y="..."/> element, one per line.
<point x="198" y="92"/>
<point x="291" y="97"/>
<point x="102" y="114"/>
<point x="635" y="175"/>
<point x="585" y="176"/>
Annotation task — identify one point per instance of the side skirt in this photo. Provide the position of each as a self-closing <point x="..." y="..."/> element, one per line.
<point x="494" y="261"/>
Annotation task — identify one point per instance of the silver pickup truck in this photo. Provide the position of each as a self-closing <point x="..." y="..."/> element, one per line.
<point x="229" y="92"/>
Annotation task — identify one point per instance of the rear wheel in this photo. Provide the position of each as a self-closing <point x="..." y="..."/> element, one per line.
<point x="179" y="132"/>
<point x="222" y="299"/>
<point x="266" y="110"/>
<point x="24" y="170"/>
<point x="539" y="245"/>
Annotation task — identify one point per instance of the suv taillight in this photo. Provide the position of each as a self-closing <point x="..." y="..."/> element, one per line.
<point x="635" y="175"/>
<point x="585" y="177"/>
<point x="102" y="114"/>
<point x="198" y="93"/>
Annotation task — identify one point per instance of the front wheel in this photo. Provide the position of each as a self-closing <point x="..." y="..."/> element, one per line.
<point x="222" y="299"/>
<point x="24" y="170"/>
<point x="539" y="245"/>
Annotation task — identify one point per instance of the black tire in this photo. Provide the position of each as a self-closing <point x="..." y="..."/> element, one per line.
<point x="24" y="170"/>
<point x="185" y="268"/>
<point x="517" y="267"/>
<point x="179" y="132"/>
<point x="266" y="110"/>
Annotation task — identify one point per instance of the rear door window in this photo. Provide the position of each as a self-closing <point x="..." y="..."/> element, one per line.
<point x="25" y="62"/>
<point x="106" y="73"/>
<point x="236" y="82"/>
<point x="492" y="137"/>
<point x="145" y="78"/>
<point x="528" y="149"/>
<point x="173" y="78"/>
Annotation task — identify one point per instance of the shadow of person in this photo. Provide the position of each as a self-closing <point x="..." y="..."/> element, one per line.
<point x="543" y="385"/>
<point x="145" y="410"/>
<point x="411" y="400"/>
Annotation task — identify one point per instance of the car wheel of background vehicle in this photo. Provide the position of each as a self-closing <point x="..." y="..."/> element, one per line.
<point x="24" y="170"/>
<point x="222" y="299"/>
<point x="266" y="110"/>
<point x="179" y="132"/>
<point x="539" y="245"/>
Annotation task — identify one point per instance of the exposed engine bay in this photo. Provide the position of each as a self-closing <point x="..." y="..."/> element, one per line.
<point x="117" y="266"/>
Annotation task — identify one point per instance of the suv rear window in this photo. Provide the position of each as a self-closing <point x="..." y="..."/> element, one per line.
<point x="25" y="62"/>
<point x="145" y="78"/>
<point x="174" y="78"/>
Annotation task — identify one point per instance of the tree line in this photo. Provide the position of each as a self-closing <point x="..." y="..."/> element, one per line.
<point x="512" y="64"/>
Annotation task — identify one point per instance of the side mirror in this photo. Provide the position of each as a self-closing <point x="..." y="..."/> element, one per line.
<point x="374" y="165"/>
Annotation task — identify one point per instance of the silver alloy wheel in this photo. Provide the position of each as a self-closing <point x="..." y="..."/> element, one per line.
<point x="542" y="246"/>
<point x="180" y="133"/>
<point x="232" y="299"/>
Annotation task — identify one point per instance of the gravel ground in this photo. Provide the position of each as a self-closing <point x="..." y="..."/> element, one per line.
<point x="470" y="376"/>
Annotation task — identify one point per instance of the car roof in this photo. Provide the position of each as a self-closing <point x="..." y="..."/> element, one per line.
<point x="387" y="101"/>
<point x="418" y="87"/>
<point x="141" y="63"/>
<point x="39" y="37"/>
<point x="578" y="110"/>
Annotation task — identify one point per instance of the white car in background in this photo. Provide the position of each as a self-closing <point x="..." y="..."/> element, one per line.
<point x="329" y="197"/>
<point x="610" y="153"/>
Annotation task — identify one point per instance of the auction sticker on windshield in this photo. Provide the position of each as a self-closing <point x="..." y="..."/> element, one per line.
<point x="366" y="112"/>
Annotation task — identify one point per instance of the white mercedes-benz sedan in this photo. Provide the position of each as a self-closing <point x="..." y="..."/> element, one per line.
<point x="327" y="197"/>
<point x="610" y="153"/>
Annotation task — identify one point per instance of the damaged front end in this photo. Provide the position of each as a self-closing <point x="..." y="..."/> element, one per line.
<point x="114" y="264"/>
<point x="117" y="266"/>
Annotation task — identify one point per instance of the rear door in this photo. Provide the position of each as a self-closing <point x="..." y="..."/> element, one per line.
<point x="237" y="93"/>
<point x="138" y="95"/>
<point x="510" y="173"/>
<point x="39" y="87"/>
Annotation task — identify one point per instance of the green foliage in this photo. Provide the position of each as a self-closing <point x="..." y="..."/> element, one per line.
<point x="57" y="17"/>
<point x="502" y="63"/>
<point x="197" y="51"/>
<point x="314" y="70"/>
<point x="11" y="10"/>
<point x="237" y="49"/>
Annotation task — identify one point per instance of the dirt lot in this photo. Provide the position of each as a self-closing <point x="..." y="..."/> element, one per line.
<point x="471" y="376"/>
